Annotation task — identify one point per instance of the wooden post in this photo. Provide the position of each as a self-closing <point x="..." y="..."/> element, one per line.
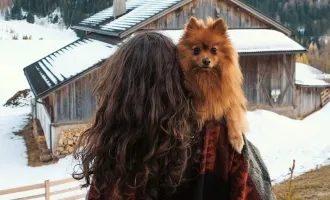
<point x="47" y="193"/>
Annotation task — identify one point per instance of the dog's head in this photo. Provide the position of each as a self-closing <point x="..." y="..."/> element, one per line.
<point x="203" y="47"/>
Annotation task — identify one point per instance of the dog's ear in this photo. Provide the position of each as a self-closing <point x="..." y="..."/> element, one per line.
<point x="220" y="26"/>
<point x="193" y="24"/>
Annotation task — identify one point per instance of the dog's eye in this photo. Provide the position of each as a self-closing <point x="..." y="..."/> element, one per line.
<point x="196" y="51"/>
<point x="214" y="50"/>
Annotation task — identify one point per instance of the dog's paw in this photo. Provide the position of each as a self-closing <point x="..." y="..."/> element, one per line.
<point x="237" y="143"/>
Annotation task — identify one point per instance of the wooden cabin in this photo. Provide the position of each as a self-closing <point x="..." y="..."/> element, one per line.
<point x="312" y="89"/>
<point x="63" y="81"/>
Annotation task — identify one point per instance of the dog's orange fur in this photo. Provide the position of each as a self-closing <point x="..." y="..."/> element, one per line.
<point x="217" y="89"/>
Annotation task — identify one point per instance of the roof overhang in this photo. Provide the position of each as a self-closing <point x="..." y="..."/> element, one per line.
<point x="68" y="63"/>
<point x="312" y="86"/>
<point x="69" y="80"/>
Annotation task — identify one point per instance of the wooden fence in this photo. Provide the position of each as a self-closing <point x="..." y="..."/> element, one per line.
<point x="325" y="96"/>
<point x="47" y="190"/>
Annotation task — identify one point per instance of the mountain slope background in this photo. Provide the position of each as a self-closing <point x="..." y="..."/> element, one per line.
<point x="71" y="11"/>
<point x="309" y="19"/>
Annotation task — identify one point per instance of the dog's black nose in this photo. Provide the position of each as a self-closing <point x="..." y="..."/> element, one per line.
<point x="206" y="61"/>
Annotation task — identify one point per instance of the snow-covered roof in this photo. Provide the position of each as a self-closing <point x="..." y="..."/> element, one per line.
<point x="247" y="41"/>
<point x="137" y="11"/>
<point x="66" y="62"/>
<point x="141" y="12"/>
<point x="310" y="76"/>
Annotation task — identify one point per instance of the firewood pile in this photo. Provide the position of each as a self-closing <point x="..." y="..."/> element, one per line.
<point x="68" y="140"/>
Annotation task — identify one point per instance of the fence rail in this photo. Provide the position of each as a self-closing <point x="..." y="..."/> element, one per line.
<point x="47" y="190"/>
<point x="325" y="96"/>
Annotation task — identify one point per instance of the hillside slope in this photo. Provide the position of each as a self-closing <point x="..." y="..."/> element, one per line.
<point x="72" y="11"/>
<point x="309" y="19"/>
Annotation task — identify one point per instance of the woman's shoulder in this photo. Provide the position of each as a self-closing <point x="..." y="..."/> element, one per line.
<point x="257" y="170"/>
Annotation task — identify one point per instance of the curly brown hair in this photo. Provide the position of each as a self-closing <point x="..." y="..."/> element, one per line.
<point x="142" y="136"/>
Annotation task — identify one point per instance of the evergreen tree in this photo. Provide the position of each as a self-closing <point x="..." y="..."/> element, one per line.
<point x="16" y="12"/>
<point x="55" y="20"/>
<point x="30" y="18"/>
<point x="7" y="15"/>
<point x="297" y="14"/>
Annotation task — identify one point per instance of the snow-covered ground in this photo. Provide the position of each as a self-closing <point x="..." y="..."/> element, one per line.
<point x="17" y="54"/>
<point x="13" y="158"/>
<point x="281" y="140"/>
<point x="42" y="30"/>
<point x="14" y="56"/>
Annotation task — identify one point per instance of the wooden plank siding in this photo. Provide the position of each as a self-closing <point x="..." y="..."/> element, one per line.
<point x="308" y="100"/>
<point x="235" y="17"/>
<point x="263" y="73"/>
<point x="75" y="101"/>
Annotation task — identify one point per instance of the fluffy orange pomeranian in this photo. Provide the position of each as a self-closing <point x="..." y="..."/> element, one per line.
<point x="211" y="67"/>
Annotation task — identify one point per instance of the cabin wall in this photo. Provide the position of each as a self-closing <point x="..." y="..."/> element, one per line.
<point x="308" y="100"/>
<point x="75" y="101"/>
<point x="234" y="16"/>
<point x="264" y="73"/>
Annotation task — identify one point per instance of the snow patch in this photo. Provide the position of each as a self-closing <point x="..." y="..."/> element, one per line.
<point x="20" y="99"/>
<point x="281" y="140"/>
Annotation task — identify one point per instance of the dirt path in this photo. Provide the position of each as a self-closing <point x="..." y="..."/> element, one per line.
<point x="33" y="151"/>
<point x="314" y="185"/>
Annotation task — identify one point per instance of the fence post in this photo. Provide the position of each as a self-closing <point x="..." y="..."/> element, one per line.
<point x="47" y="196"/>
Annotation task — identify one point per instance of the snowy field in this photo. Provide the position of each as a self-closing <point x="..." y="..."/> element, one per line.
<point x="43" y="31"/>
<point x="17" y="54"/>
<point x="13" y="157"/>
<point x="279" y="139"/>
<point x="14" y="56"/>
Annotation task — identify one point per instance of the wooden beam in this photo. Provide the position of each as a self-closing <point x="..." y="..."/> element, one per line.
<point x="280" y="99"/>
<point x="268" y="96"/>
<point x="47" y="193"/>
<point x="32" y="197"/>
<point x="68" y="180"/>
<point x="65" y="190"/>
<point x="22" y="189"/>
<point x="325" y="97"/>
